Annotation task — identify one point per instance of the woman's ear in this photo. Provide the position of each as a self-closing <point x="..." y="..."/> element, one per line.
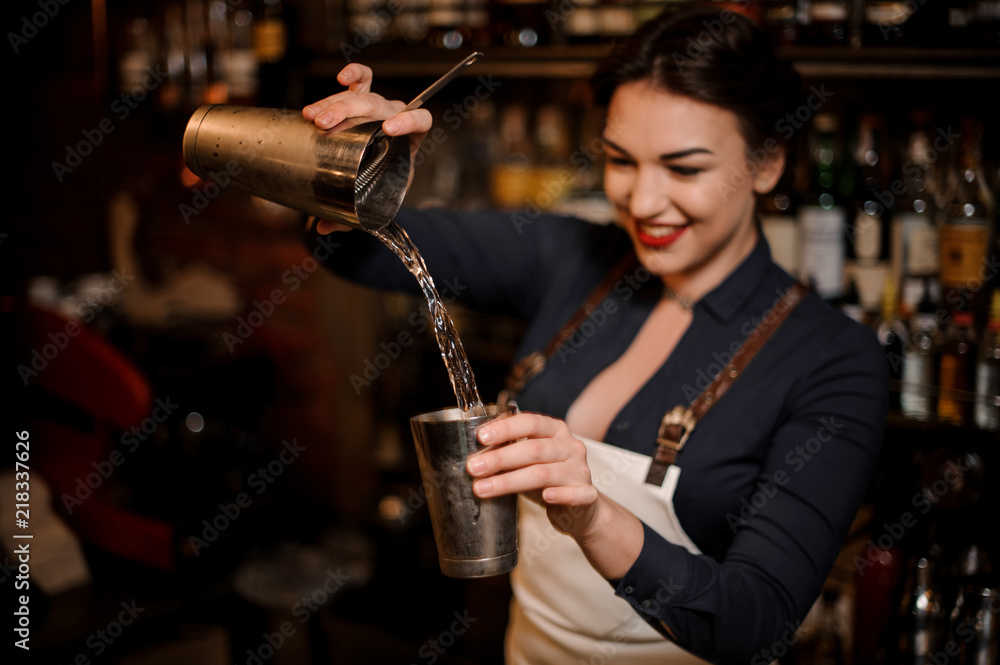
<point x="769" y="172"/>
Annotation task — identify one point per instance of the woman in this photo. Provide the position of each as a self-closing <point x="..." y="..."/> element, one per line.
<point x="724" y="556"/>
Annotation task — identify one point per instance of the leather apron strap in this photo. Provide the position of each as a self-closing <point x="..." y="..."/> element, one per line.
<point x="677" y="424"/>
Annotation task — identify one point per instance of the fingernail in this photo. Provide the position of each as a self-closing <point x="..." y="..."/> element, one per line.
<point x="325" y="119"/>
<point x="483" y="487"/>
<point x="486" y="436"/>
<point x="391" y="126"/>
<point x="476" y="465"/>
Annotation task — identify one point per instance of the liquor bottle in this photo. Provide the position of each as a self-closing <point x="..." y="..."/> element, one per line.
<point x="174" y="89"/>
<point x="961" y="18"/>
<point x="219" y="47"/>
<point x="884" y="22"/>
<point x="447" y="24"/>
<point x="195" y="50"/>
<point x="879" y="575"/>
<point x="270" y="32"/>
<point x="781" y="20"/>
<point x="777" y="221"/>
<point x="986" y="23"/>
<point x="850" y="302"/>
<point x="592" y="22"/>
<point x="828" y="22"/>
<point x="923" y="614"/>
<point x="512" y="180"/>
<point x="915" y="255"/>
<point x="923" y="26"/>
<point x="987" y="410"/>
<point x="137" y="54"/>
<point x="822" y="218"/>
<point x="270" y="36"/>
<point x="957" y="360"/>
<point x="970" y="564"/>
<point x="919" y="357"/>
<point x="965" y="236"/>
<point x="527" y="24"/>
<point x="983" y="647"/>
<point x="242" y="76"/>
<point x="870" y="207"/>
<point x="893" y="337"/>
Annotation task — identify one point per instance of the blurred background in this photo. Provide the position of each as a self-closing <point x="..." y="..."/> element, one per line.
<point x="219" y="463"/>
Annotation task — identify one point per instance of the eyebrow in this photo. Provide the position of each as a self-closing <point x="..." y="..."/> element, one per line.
<point x="667" y="156"/>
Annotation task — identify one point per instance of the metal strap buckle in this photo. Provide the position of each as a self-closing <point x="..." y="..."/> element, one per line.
<point x="678" y="416"/>
<point x="529" y="367"/>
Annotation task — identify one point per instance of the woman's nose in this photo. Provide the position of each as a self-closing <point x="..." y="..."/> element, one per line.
<point x="649" y="196"/>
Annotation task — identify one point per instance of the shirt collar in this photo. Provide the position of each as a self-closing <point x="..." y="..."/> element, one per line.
<point x="730" y="297"/>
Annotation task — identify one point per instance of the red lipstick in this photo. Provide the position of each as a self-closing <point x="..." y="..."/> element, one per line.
<point x="659" y="241"/>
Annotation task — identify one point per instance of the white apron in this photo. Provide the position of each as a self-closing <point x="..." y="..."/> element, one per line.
<point x="563" y="611"/>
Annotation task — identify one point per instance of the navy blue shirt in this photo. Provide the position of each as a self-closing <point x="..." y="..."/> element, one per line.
<point x="772" y="476"/>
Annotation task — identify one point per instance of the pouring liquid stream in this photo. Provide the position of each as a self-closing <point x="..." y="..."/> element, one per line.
<point x="452" y="352"/>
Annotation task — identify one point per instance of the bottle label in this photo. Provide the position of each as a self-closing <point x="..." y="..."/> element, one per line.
<point x="270" y="40"/>
<point x="951" y="408"/>
<point x="783" y="236"/>
<point x="823" y="249"/>
<point x="963" y="250"/>
<point x="987" y="413"/>
<point x="867" y="237"/>
<point x="920" y="241"/>
<point x="915" y="394"/>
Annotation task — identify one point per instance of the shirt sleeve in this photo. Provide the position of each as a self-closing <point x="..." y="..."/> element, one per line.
<point x="492" y="261"/>
<point x="812" y="481"/>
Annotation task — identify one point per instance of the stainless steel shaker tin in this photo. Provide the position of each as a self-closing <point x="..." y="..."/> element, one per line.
<point x="475" y="537"/>
<point x="357" y="175"/>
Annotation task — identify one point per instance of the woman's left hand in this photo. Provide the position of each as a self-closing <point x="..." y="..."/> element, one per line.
<point x="546" y="463"/>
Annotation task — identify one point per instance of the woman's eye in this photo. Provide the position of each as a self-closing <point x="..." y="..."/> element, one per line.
<point x="619" y="161"/>
<point x="686" y="170"/>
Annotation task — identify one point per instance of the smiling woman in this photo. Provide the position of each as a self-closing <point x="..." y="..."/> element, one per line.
<point x="634" y="541"/>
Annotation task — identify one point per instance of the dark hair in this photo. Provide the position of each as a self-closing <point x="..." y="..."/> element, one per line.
<point x="712" y="55"/>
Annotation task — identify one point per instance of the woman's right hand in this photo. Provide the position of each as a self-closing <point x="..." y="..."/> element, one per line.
<point x="359" y="104"/>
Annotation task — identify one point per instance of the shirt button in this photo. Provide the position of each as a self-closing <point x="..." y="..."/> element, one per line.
<point x="623" y="426"/>
<point x="629" y="589"/>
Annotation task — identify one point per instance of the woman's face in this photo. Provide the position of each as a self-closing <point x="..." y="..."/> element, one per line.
<point x="678" y="174"/>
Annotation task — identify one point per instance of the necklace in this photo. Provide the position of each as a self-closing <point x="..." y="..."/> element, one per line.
<point x="686" y="304"/>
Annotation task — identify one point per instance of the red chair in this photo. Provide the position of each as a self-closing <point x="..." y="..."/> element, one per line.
<point x="79" y="394"/>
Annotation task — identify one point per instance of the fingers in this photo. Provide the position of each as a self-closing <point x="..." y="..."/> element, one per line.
<point x="337" y="108"/>
<point x="543" y="456"/>
<point x="561" y="482"/>
<point x="520" y="426"/>
<point x="357" y="77"/>
<point x="411" y="122"/>
<point x="525" y="453"/>
<point x="570" y="495"/>
<point x="359" y="102"/>
<point x="356" y="101"/>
